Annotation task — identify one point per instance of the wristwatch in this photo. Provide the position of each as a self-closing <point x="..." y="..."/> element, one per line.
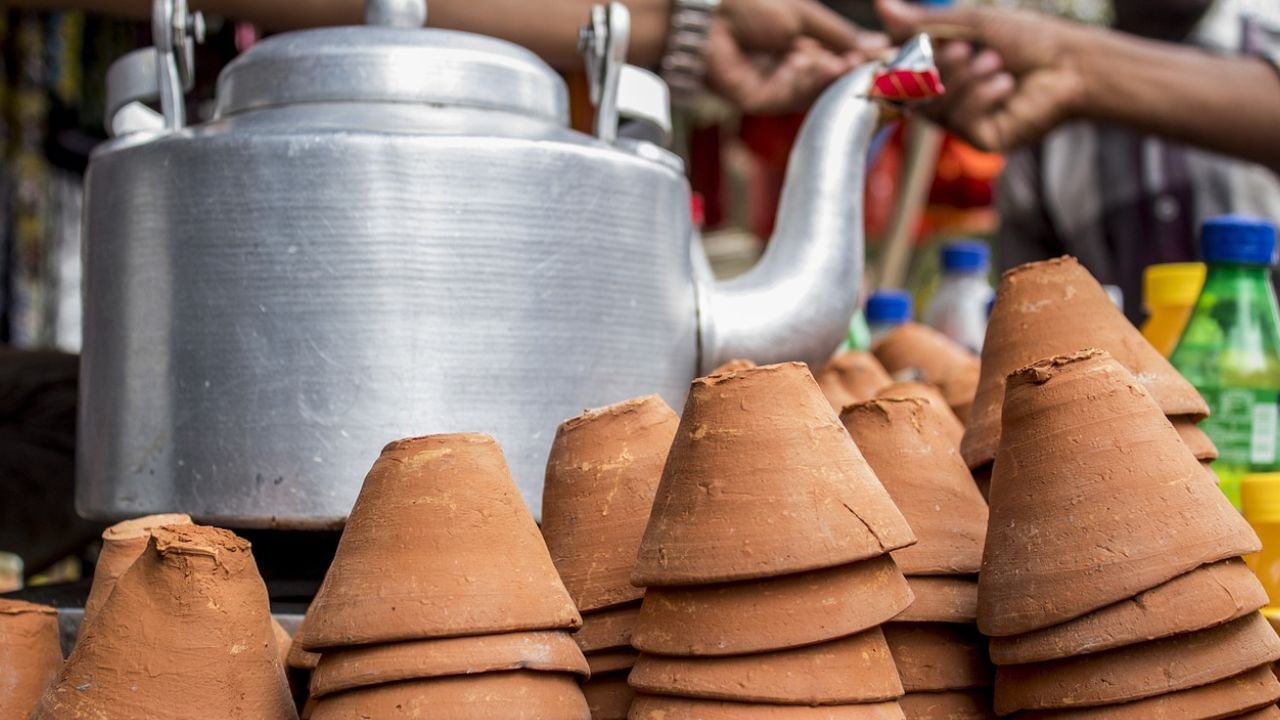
<point x="684" y="63"/>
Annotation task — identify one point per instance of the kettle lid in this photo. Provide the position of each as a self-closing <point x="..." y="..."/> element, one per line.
<point x="392" y="63"/>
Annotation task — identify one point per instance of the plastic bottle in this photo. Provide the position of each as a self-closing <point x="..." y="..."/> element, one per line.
<point x="886" y="310"/>
<point x="1260" y="501"/>
<point x="1116" y="293"/>
<point x="859" y="337"/>
<point x="1169" y="294"/>
<point x="959" y="308"/>
<point x="1230" y="350"/>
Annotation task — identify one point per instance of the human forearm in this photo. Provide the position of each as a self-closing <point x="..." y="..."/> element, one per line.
<point x="272" y="14"/>
<point x="1231" y="105"/>
<point x="548" y="28"/>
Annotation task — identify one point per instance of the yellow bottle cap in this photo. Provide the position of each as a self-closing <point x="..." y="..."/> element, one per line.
<point x="1172" y="285"/>
<point x="1260" y="498"/>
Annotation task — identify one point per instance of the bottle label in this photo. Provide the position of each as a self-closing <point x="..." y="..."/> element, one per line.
<point x="1245" y="425"/>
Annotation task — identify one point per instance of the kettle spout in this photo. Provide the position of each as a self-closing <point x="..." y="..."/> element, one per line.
<point x="796" y="303"/>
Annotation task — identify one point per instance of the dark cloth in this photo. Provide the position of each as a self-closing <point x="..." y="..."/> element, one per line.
<point x="37" y="457"/>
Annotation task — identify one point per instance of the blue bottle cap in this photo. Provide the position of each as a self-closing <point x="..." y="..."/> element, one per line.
<point x="966" y="256"/>
<point x="1238" y="239"/>
<point x="888" y="307"/>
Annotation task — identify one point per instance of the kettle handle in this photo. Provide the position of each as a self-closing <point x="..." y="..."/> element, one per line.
<point x="161" y="73"/>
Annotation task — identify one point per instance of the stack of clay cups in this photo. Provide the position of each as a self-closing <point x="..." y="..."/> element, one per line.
<point x="602" y="476"/>
<point x="299" y="664"/>
<point x="852" y="377"/>
<point x="1112" y="585"/>
<point x="940" y="655"/>
<point x="30" y="655"/>
<point x="185" y="632"/>
<point x="915" y="351"/>
<point x="951" y="425"/>
<point x="442" y="600"/>
<point x="1055" y="307"/>
<point x="766" y="561"/>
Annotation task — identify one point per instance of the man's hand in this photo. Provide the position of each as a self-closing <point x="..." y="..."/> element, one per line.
<point x="770" y="56"/>
<point x="1011" y="77"/>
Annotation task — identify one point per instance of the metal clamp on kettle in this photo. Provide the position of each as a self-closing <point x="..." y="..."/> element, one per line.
<point x="630" y="101"/>
<point x="155" y="74"/>
<point x="389" y="230"/>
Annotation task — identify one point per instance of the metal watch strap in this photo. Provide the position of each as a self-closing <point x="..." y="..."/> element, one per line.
<point x="684" y="64"/>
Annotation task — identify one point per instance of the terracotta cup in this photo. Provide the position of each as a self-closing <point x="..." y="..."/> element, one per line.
<point x="954" y="429"/>
<point x="608" y="696"/>
<point x="813" y="675"/>
<point x="368" y="665"/>
<point x="299" y="659"/>
<point x="852" y="377"/>
<point x="942" y="599"/>
<point x="1056" y="307"/>
<point x="1270" y="712"/>
<point x="1209" y="473"/>
<point x="982" y="478"/>
<point x="122" y="543"/>
<point x="602" y="475"/>
<point x="30" y="655"/>
<point x="608" y="629"/>
<point x="1195" y="438"/>
<point x="284" y="641"/>
<point x="935" y="358"/>
<point x="1094" y="499"/>
<point x="186" y="625"/>
<point x="959" y="388"/>
<point x="763" y="615"/>
<point x="1203" y="598"/>
<point x="763" y="481"/>
<point x="660" y="707"/>
<point x="951" y="705"/>
<point x="1246" y="692"/>
<point x="520" y="695"/>
<point x="610" y="661"/>
<point x="1141" y="671"/>
<point x="932" y="657"/>
<point x="905" y="442"/>
<point x="439" y="544"/>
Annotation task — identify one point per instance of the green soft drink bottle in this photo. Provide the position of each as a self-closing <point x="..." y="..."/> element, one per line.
<point x="1230" y="349"/>
<point x="859" y="337"/>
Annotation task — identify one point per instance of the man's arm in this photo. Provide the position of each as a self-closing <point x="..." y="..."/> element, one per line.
<point x="763" y="55"/>
<point x="1231" y="105"/>
<point x="550" y="29"/>
<point x="1035" y="72"/>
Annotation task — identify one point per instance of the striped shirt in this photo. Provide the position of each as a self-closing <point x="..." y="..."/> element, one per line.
<point x="1120" y="200"/>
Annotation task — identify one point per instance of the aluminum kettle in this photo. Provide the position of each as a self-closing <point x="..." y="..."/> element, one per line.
<point x="388" y="231"/>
